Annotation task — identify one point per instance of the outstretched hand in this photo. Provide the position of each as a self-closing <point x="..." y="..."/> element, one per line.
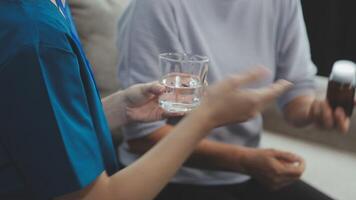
<point x="228" y="102"/>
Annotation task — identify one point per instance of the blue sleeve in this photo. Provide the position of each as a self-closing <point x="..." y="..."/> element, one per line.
<point x="46" y="124"/>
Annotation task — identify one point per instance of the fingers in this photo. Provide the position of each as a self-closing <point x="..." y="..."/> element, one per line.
<point x="322" y="114"/>
<point x="343" y="122"/>
<point x="273" y="91"/>
<point x="251" y="76"/>
<point x="142" y="93"/>
<point x="316" y="112"/>
<point x="327" y="115"/>
<point x="172" y="114"/>
<point x="288" y="157"/>
<point x="293" y="165"/>
<point x="152" y="88"/>
<point x="233" y="82"/>
<point x="237" y="80"/>
<point x="294" y="170"/>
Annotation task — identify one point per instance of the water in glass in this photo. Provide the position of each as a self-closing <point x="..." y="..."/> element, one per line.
<point x="183" y="92"/>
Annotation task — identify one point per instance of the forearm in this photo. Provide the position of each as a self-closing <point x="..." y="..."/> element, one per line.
<point x="145" y="178"/>
<point x="148" y="175"/>
<point x="297" y="112"/>
<point x="208" y="155"/>
<point x="114" y="109"/>
<point x="211" y="155"/>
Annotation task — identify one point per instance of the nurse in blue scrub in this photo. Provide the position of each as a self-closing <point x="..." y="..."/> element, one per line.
<point x="55" y="140"/>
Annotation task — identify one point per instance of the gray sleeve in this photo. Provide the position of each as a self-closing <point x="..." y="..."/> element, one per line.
<point x="293" y="58"/>
<point x="146" y="29"/>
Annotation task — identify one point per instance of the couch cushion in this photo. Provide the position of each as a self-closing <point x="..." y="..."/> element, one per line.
<point x="96" y="22"/>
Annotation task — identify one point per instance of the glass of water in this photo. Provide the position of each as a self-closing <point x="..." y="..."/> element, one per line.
<point x="184" y="76"/>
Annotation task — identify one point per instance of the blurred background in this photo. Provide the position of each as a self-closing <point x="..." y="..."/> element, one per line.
<point x="332" y="31"/>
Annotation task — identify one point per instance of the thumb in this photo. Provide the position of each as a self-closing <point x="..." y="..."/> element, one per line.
<point x="294" y="165"/>
<point x="153" y="88"/>
<point x="288" y="157"/>
<point x="251" y="76"/>
<point x="141" y="93"/>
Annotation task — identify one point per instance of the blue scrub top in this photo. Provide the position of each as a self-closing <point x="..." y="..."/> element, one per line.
<point x="54" y="138"/>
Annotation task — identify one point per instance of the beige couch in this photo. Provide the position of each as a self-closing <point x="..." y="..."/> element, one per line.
<point x="96" y="22"/>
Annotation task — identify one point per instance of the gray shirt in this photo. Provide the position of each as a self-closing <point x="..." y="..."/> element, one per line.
<point x="235" y="35"/>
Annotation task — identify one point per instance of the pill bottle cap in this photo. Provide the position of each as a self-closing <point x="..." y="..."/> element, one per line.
<point x="344" y="71"/>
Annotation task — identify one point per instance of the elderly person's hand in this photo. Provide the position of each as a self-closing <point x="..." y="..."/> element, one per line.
<point x="273" y="168"/>
<point x="305" y="110"/>
<point x="325" y="117"/>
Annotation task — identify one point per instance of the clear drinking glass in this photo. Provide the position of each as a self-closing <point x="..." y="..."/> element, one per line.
<point x="184" y="76"/>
